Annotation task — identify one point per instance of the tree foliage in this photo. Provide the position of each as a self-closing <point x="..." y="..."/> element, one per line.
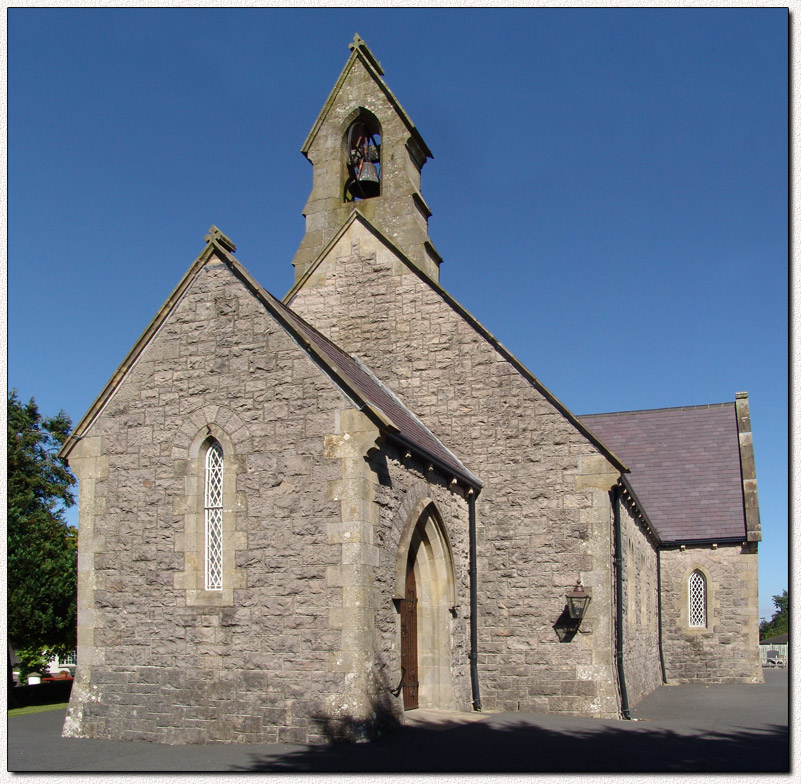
<point x="42" y="548"/>
<point x="780" y="622"/>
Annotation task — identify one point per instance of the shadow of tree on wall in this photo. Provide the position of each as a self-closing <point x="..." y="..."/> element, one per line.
<point x="522" y="747"/>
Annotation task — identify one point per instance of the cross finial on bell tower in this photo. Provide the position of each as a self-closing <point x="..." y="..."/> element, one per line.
<point x="367" y="156"/>
<point x="215" y="235"/>
<point x="359" y="43"/>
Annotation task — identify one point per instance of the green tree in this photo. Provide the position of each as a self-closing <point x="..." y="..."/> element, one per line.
<point x="780" y="622"/>
<point x="42" y="547"/>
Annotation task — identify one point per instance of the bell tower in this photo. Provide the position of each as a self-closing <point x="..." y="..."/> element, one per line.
<point x="366" y="155"/>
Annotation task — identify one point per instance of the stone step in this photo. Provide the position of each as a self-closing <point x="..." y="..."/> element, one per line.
<point x="440" y="719"/>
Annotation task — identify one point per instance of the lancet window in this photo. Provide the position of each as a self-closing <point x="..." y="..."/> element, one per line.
<point x="213" y="505"/>
<point x="697" y="598"/>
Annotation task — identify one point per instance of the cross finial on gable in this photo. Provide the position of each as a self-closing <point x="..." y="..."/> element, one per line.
<point x="215" y="235"/>
<point x="358" y="43"/>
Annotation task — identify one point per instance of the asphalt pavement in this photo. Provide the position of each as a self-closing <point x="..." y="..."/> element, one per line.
<point x="685" y="728"/>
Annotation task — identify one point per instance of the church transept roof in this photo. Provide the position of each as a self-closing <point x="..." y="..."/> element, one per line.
<point x="684" y="467"/>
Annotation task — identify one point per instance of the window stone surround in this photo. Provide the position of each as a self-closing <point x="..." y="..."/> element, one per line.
<point x="712" y="605"/>
<point x="189" y="451"/>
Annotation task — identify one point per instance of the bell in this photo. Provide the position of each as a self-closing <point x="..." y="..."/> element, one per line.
<point x="367" y="180"/>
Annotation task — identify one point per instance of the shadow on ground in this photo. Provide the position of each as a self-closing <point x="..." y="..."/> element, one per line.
<point x="689" y="728"/>
<point x="522" y="747"/>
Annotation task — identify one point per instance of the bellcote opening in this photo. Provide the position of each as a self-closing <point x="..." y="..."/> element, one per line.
<point x="362" y="145"/>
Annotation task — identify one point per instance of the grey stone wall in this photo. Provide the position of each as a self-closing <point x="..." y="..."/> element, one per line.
<point x="159" y="660"/>
<point x="727" y="650"/>
<point x="642" y="667"/>
<point x="541" y="521"/>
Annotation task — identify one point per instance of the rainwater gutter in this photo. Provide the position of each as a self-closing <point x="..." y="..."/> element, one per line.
<point x="624" y="697"/>
<point x="471" y="504"/>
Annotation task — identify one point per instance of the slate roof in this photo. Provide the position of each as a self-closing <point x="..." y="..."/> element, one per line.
<point x="410" y="430"/>
<point x="684" y="468"/>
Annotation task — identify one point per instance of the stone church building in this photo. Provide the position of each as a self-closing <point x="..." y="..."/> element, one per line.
<point x="301" y="518"/>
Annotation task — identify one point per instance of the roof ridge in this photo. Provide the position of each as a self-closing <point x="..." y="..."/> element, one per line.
<point x="655" y="410"/>
<point x="290" y="314"/>
<point x="686" y="469"/>
<point x="311" y="327"/>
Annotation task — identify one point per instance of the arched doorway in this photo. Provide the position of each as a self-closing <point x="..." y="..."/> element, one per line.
<point x="425" y="620"/>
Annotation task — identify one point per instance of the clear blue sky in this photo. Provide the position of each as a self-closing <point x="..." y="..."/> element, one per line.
<point x="609" y="189"/>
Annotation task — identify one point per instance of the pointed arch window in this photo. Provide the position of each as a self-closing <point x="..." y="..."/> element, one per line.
<point x="213" y="504"/>
<point x="697" y="599"/>
<point x="363" y="150"/>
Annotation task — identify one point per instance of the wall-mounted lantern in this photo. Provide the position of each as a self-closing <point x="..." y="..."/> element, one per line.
<point x="568" y="623"/>
<point x="578" y="600"/>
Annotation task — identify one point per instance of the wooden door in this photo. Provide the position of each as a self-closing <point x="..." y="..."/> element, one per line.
<point x="409" y="642"/>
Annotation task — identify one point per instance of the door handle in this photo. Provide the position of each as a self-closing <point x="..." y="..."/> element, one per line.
<point x="396" y="691"/>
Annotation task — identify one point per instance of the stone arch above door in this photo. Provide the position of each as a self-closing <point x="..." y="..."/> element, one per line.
<point x="211" y="424"/>
<point x="412" y="515"/>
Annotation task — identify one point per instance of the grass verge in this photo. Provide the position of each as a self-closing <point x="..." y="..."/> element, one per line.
<point x="37" y="709"/>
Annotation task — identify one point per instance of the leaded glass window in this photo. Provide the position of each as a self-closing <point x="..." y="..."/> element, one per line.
<point x="214" y="517"/>
<point x="697" y="597"/>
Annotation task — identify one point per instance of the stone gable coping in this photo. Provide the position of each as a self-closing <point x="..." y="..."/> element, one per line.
<point x="218" y="236"/>
<point x="359" y="43"/>
<point x="360" y="52"/>
<point x="329" y="246"/>
<point x="748" y="468"/>
<point x="467" y="316"/>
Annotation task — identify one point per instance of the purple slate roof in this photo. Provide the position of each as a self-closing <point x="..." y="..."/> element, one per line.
<point x="411" y="431"/>
<point x="685" y="467"/>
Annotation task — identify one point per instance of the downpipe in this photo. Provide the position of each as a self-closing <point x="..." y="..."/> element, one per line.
<point x="659" y="612"/>
<point x="471" y="504"/>
<point x="621" y="675"/>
